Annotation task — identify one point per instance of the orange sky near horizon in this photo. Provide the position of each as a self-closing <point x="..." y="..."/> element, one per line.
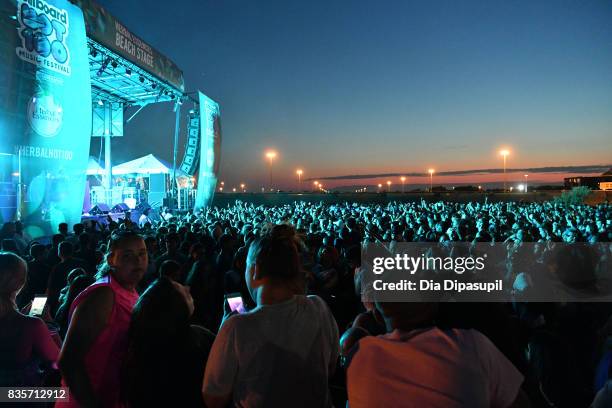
<point x="513" y="178"/>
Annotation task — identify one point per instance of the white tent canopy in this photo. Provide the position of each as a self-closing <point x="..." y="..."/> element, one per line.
<point x="94" y="168"/>
<point x="148" y="164"/>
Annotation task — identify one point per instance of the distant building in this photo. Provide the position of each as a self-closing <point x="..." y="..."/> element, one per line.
<point x="603" y="182"/>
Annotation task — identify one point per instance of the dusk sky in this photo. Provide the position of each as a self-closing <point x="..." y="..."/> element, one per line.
<point x="362" y="87"/>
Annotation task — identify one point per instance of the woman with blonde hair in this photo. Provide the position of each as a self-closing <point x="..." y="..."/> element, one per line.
<point x="26" y="343"/>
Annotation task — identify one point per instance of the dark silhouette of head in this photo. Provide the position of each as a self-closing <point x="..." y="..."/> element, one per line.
<point x="171" y="270"/>
<point x="38" y="251"/>
<point x="65" y="250"/>
<point x="172" y="242"/>
<point x="407" y="315"/>
<point x="160" y="314"/>
<point x="9" y="245"/>
<point x="57" y="239"/>
<point x="275" y="256"/>
<point x="63" y="228"/>
<point x="13" y="273"/>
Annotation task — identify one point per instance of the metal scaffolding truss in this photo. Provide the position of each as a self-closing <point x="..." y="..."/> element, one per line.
<point x="117" y="80"/>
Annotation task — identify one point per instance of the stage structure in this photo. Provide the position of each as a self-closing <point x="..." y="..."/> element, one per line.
<point x="125" y="72"/>
<point x="70" y="70"/>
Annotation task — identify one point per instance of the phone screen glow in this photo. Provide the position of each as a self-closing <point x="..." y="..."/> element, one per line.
<point x="236" y="304"/>
<point x="38" y="305"/>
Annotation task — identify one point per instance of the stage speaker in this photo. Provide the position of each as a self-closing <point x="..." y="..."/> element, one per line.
<point x="120" y="208"/>
<point x="170" y="202"/>
<point x="190" y="162"/>
<point x="142" y="207"/>
<point x="99" y="209"/>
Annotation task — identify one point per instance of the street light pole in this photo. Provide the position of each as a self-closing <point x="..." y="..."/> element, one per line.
<point x="299" y="174"/>
<point x="505" y="178"/>
<point x="431" y="172"/>
<point x="270" y="155"/>
<point x="505" y="154"/>
<point x="270" y="171"/>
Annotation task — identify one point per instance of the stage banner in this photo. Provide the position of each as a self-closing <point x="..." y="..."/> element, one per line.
<point x="210" y="150"/>
<point x="45" y="109"/>
<point x="105" y="29"/>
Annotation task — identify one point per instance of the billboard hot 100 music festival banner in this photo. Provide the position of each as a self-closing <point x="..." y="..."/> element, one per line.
<point x="45" y="109"/>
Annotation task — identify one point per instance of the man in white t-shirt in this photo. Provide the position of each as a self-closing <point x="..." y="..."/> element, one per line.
<point x="277" y="355"/>
<point x="144" y="219"/>
<point x="603" y="398"/>
<point x="419" y="365"/>
<point x="282" y="353"/>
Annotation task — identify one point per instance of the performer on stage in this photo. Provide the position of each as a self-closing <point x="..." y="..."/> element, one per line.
<point x="166" y="214"/>
<point x="144" y="218"/>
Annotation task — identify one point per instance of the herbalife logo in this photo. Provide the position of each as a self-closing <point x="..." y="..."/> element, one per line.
<point x="43" y="31"/>
<point x="45" y="115"/>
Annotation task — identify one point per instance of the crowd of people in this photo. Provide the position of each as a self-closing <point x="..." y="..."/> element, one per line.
<point x="136" y="313"/>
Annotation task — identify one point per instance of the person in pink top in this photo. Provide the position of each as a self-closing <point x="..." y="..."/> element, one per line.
<point x="97" y="338"/>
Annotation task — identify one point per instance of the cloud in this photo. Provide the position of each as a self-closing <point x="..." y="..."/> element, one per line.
<point x="587" y="169"/>
<point x="456" y="147"/>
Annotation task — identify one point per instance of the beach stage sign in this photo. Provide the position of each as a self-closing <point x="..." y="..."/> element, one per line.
<point x="105" y="29"/>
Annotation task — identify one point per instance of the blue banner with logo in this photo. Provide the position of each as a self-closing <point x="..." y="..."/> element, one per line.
<point x="45" y="109"/>
<point x="210" y="150"/>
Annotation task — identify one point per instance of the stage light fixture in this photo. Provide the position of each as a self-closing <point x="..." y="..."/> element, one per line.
<point x="141" y="78"/>
<point x="103" y="66"/>
<point x="153" y="85"/>
<point x="114" y="64"/>
<point x="128" y="72"/>
<point x="100" y="102"/>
